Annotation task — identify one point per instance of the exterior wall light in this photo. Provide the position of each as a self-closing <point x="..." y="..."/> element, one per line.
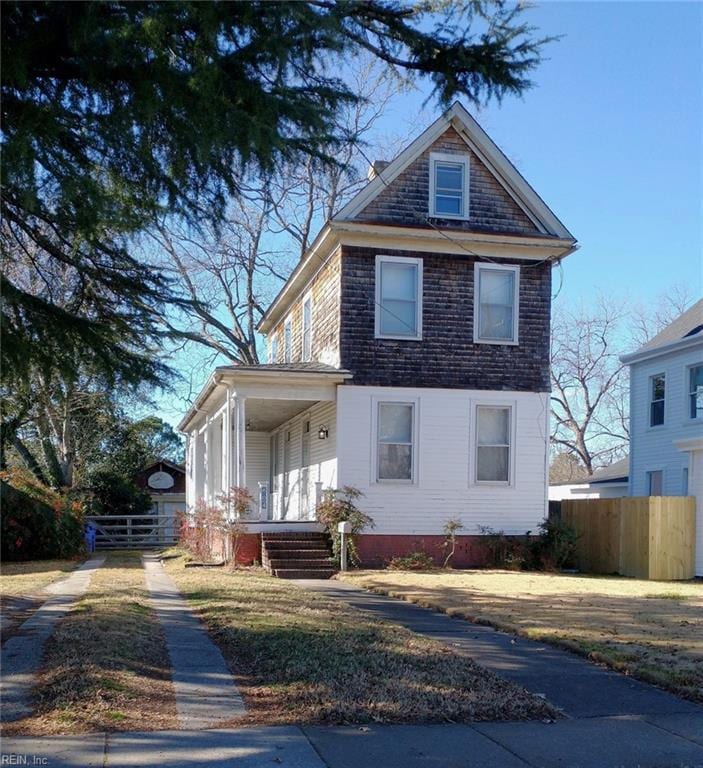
<point x="322" y="432"/>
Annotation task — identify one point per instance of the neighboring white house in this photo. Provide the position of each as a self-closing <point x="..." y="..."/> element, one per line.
<point x="606" y="483"/>
<point x="666" y="415"/>
<point x="408" y="357"/>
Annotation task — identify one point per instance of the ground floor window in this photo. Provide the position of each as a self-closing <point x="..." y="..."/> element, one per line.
<point x="493" y="444"/>
<point x="395" y="441"/>
<point x="655" y="482"/>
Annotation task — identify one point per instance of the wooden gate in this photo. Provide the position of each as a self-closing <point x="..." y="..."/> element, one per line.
<point x="134" y="531"/>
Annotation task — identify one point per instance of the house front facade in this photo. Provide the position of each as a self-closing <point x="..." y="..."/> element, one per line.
<point x="666" y="416"/>
<point x="408" y="358"/>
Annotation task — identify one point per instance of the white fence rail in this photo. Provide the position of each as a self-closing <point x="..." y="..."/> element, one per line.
<point x="134" y="531"/>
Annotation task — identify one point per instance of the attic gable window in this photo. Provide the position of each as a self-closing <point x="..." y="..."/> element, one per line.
<point x="449" y="186"/>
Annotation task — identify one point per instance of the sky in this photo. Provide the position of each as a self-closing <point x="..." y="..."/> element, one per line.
<point x="611" y="137"/>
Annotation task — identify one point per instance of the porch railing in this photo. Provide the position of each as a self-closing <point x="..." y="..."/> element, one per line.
<point x="134" y="531"/>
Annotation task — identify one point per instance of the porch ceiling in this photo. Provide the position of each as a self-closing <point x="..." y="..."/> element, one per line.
<point x="264" y="415"/>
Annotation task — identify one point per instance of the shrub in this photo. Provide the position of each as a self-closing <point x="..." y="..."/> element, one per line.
<point x="415" y="561"/>
<point x="36" y="521"/>
<point x="451" y="528"/>
<point x="339" y="506"/>
<point x="503" y="551"/>
<point x="110" y="493"/>
<point x="556" y="546"/>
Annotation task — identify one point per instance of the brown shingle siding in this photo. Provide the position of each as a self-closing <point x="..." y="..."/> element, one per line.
<point x="447" y="355"/>
<point x="405" y="201"/>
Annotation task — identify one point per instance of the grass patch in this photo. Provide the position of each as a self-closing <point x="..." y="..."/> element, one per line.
<point x="32" y="576"/>
<point x="641" y="628"/>
<point x="300" y="657"/>
<point x="106" y="667"/>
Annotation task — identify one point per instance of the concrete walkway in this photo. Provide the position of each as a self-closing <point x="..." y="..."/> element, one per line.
<point x="577" y="687"/>
<point x="206" y="694"/>
<point x="22" y="654"/>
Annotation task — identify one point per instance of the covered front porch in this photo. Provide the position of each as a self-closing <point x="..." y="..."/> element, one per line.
<point x="268" y="428"/>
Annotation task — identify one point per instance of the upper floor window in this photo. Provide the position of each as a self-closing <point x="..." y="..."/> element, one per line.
<point x="398" y="297"/>
<point x="273" y="350"/>
<point x="496" y="304"/>
<point x="695" y="392"/>
<point x="656" y="402"/>
<point x="287" y="341"/>
<point x="449" y="186"/>
<point x="307" y="327"/>
<point x="493" y="444"/>
<point x="396" y="431"/>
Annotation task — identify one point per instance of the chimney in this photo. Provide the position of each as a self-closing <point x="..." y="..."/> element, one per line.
<point x="375" y="168"/>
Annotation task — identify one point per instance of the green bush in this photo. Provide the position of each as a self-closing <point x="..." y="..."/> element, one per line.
<point x="556" y="546"/>
<point x="110" y="493"/>
<point x="32" y="529"/>
<point x="415" y="561"/>
<point x="337" y="506"/>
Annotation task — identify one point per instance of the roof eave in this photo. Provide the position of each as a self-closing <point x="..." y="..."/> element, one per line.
<point x="663" y="349"/>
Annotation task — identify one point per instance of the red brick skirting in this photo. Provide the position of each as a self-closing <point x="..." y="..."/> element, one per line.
<point x="376" y="550"/>
<point x="248" y="550"/>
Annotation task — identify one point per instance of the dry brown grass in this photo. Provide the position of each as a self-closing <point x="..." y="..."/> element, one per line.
<point x="299" y="657"/>
<point x="106" y="667"/>
<point x="652" y="630"/>
<point x="28" y="578"/>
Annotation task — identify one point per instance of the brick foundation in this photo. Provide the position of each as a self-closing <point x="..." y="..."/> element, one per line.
<point x="248" y="552"/>
<point x="375" y="550"/>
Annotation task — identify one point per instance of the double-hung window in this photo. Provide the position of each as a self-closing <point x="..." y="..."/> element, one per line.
<point x="449" y="186"/>
<point x="496" y="304"/>
<point x="307" y="328"/>
<point x="656" y="403"/>
<point x="287" y="341"/>
<point x="395" y="439"/>
<point x="655" y="482"/>
<point x="493" y="444"/>
<point x="695" y="392"/>
<point x="273" y="350"/>
<point x="398" y="298"/>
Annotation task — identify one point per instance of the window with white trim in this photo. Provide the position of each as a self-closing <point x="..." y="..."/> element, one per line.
<point x="287" y="341"/>
<point x="655" y="482"/>
<point x="695" y="392"/>
<point x="395" y="438"/>
<point x="496" y="304"/>
<point x="449" y="186"/>
<point x="657" y="388"/>
<point x="398" y="297"/>
<point x="273" y="350"/>
<point x="307" y="328"/>
<point x="493" y="443"/>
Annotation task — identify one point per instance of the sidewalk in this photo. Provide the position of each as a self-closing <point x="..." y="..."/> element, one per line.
<point x="674" y="741"/>
<point x="22" y="653"/>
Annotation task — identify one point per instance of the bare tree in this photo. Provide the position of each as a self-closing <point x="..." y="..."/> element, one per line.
<point x="226" y="277"/>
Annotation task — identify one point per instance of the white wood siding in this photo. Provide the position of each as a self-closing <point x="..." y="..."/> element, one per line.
<point x="695" y="488"/>
<point x="444" y="485"/>
<point x="652" y="448"/>
<point x="257" y="467"/>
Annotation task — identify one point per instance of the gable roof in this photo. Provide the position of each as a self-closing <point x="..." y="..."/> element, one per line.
<point x="490" y="155"/>
<point x="686" y="330"/>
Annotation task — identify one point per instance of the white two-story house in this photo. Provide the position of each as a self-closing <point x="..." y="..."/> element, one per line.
<point x="666" y="415"/>
<point x="409" y="358"/>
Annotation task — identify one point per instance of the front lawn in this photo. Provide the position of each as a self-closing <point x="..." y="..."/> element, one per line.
<point x="300" y="657"/>
<point x="27" y="578"/>
<point x="106" y="666"/>
<point x="652" y="630"/>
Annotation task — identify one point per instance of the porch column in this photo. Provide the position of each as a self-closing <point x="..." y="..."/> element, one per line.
<point x="227" y="443"/>
<point x="240" y="420"/>
<point x="207" y="475"/>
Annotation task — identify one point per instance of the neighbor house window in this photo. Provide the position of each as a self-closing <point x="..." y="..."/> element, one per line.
<point x="395" y="441"/>
<point x="655" y="482"/>
<point x="684" y="482"/>
<point x="493" y="431"/>
<point x="398" y="298"/>
<point x="656" y="404"/>
<point x="273" y="350"/>
<point x="307" y="328"/>
<point x="496" y="304"/>
<point x="449" y="186"/>
<point x="287" y="342"/>
<point x="695" y="396"/>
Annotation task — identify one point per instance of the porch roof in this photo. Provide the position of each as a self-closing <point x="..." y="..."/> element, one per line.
<point x="280" y="374"/>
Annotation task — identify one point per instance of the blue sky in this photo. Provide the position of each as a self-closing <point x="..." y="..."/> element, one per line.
<point x="611" y="137"/>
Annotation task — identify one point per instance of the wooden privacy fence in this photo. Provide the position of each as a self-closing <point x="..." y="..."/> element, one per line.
<point x="134" y="531"/>
<point x="647" y="537"/>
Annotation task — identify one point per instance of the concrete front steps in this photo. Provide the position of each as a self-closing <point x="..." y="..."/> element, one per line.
<point x="305" y="555"/>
